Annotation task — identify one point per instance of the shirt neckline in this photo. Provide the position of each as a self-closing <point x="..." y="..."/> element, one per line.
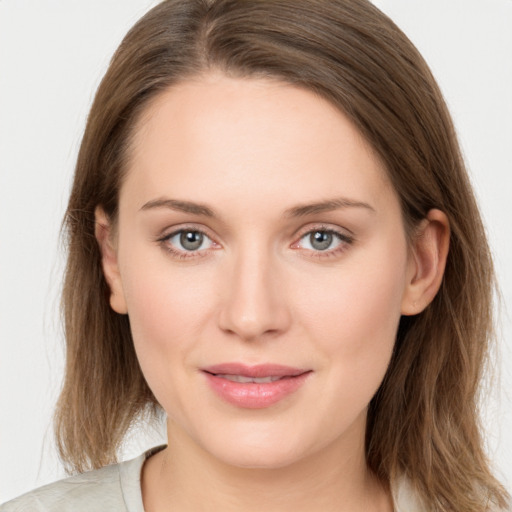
<point x="130" y="472"/>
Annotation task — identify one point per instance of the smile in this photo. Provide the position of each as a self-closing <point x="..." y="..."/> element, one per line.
<point x="254" y="387"/>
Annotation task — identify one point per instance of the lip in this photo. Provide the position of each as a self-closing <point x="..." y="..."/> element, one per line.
<point x="251" y="395"/>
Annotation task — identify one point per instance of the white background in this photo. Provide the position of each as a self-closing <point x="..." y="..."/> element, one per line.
<point x="52" y="56"/>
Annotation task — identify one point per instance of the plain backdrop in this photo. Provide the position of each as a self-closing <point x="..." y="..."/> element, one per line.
<point x="52" y="56"/>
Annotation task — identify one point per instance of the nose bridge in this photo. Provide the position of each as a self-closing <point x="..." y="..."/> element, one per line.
<point x="254" y="303"/>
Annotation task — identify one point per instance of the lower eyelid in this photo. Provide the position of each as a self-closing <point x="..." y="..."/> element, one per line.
<point x="183" y="255"/>
<point x="337" y="251"/>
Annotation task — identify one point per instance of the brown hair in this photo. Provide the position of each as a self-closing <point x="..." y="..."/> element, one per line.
<point x="423" y="421"/>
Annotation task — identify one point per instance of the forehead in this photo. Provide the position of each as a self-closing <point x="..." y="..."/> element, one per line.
<point x="243" y="136"/>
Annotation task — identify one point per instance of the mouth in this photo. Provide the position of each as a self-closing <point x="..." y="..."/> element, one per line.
<point x="244" y="379"/>
<point x="259" y="371"/>
<point x="254" y="387"/>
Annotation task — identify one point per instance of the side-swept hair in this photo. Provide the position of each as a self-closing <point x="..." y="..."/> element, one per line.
<point x="423" y="421"/>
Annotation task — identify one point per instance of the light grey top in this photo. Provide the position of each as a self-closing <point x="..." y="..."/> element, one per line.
<point x="116" y="488"/>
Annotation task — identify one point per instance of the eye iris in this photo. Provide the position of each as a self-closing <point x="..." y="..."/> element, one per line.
<point x="191" y="240"/>
<point x="320" y="240"/>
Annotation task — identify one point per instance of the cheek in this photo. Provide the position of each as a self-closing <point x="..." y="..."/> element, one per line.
<point x="164" y="300"/>
<point x="167" y="308"/>
<point x="354" y="318"/>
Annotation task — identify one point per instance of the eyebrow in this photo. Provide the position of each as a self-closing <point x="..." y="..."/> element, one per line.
<point x="296" y="211"/>
<point x="326" y="206"/>
<point x="180" y="206"/>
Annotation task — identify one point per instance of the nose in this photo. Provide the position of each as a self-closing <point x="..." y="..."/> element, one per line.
<point x="254" y="304"/>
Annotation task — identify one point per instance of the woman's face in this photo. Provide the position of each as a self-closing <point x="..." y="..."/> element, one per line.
<point x="261" y="257"/>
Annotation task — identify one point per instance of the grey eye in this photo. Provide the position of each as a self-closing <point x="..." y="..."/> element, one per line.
<point x="188" y="242"/>
<point x="320" y="240"/>
<point x="191" y="240"/>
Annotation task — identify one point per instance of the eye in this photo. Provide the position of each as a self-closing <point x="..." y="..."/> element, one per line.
<point x="188" y="240"/>
<point x="323" y="240"/>
<point x="320" y="240"/>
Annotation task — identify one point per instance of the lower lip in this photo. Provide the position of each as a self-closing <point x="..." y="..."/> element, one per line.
<point x="251" y="395"/>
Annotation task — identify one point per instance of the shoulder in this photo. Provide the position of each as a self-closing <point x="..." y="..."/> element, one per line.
<point x="114" y="488"/>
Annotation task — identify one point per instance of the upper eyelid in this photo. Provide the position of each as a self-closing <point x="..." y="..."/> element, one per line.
<point x="329" y="228"/>
<point x="170" y="232"/>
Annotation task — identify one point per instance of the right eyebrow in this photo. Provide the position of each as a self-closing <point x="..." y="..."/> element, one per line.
<point x="180" y="206"/>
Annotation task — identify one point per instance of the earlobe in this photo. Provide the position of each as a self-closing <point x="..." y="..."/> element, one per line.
<point x="103" y="233"/>
<point x="427" y="262"/>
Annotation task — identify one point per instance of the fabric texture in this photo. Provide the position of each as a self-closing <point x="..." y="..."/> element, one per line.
<point x="116" y="488"/>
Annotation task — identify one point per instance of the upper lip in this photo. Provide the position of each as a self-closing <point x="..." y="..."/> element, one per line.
<point x="259" y="370"/>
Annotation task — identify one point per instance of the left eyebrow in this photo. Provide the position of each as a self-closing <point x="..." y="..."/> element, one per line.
<point x="326" y="206"/>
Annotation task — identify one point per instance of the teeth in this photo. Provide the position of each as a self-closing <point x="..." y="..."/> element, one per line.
<point x="242" y="378"/>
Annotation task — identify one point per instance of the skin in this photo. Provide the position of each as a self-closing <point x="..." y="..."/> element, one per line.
<point x="258" y="291"/>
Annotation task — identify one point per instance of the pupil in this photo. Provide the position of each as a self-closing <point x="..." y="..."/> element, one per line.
<point x="321" y="240"/>
<point x="191" y="240"/>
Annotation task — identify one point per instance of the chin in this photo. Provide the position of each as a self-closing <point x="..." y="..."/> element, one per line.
<point x="253" y="449"/>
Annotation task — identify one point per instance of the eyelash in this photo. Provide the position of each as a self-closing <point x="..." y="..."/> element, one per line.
<point x="343" y="239"/>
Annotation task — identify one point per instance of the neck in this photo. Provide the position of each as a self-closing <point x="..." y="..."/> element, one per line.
<point x="334" y="478"/>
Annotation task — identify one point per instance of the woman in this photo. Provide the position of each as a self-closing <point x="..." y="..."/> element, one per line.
<point x="272" y="239"/>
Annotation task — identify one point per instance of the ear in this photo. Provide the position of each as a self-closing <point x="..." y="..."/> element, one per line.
<point x="427" y="261"/>
<point x="104" y="236"/>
